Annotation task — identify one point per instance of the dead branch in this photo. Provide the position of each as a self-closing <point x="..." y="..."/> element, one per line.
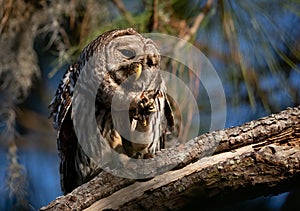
<point x="265" y="152"/>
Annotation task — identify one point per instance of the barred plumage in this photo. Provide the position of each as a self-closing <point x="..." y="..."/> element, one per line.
<point x="117" y="54"/>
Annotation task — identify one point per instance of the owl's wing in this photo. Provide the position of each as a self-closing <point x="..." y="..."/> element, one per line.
<point x="172" y="123"/>
<point x="169" y="114"/>
<point x="66" y="138"/>
<point x="75" y="166"/>
<point x="62" y="100"/>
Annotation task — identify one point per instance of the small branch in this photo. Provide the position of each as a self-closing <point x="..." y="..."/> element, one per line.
<point x="84" y="29"/>
<point x="7" y="10"/>
<point x="72" y="11"/>
<point x="127" y="15"/>
<point x="153" y="22"/>
<point x="198" y="20"/>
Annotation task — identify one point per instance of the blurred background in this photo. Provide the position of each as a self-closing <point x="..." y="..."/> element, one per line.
<point x="254" y="46"/>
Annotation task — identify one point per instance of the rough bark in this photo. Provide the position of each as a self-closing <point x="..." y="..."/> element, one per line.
<point x="261" y="153"/>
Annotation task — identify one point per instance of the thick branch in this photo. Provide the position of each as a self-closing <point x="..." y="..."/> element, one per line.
<point x="264" y="152"/>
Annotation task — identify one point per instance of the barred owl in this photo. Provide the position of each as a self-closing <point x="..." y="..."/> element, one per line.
<point x="122" y="55"/>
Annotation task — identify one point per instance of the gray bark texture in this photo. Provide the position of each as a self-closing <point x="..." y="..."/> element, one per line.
<point x="260" y="154"/>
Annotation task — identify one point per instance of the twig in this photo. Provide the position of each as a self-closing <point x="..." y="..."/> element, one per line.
<point x="119" y="4"/>
<point x="85" y="22"/>
<point x="7" y="11"/>
<point x="198" y="20"/>
<point x="153" y="22"/>
<point x="72" y="12"/>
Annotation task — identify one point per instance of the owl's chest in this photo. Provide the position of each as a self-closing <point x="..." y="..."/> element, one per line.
<point x="140" y="129"/>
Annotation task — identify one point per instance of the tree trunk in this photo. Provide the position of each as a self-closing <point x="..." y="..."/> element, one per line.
<point x="261" y="154"/>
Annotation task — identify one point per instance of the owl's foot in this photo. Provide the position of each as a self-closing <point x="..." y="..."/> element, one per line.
<point x="147" y="105"/>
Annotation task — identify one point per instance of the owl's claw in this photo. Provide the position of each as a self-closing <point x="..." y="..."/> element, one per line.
<point x="141" y="105"/>
<point x="143" y="110"/>
<point x="134" y="123"/>
<point x="152" y="109"/>
<point x="147" y="105"/>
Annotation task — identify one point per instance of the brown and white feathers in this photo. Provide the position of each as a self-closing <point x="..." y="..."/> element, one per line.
<point x="126" y="69"/>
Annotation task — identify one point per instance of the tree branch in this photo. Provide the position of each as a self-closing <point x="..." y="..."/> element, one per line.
<point x="262" y="152"/>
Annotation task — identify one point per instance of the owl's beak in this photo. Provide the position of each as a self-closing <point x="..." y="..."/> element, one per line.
<point x="138" y="70"/>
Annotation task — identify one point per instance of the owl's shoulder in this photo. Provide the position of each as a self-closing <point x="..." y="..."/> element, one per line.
<point x="62" y="100"/>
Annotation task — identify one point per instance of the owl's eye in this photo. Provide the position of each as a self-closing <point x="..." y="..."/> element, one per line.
<point x="127" y="53"/>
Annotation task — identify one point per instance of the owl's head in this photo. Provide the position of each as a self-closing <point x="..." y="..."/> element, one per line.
<point x="125" y="53"/>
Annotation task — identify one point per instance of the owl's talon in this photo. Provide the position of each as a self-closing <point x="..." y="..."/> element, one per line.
<point x="151" y="101"/>
<point x="147" y="105"/>
<point x="152" y="109"/>
<point x="141" y="105"/>
<point x="133" y="124"/>
<point x="144" y="122"/>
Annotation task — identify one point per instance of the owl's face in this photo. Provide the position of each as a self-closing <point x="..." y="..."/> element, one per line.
<point x="125" y="65"/>
<point x="132" y="56"/>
